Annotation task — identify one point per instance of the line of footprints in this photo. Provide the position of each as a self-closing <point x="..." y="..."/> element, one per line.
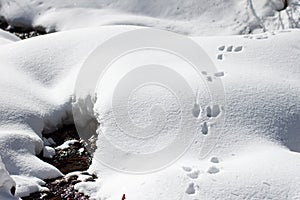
<point x="229" y="49"/>
<point x="265" y="35"/>
<point x="223" y="50"/>
<point x="193" y="174"/>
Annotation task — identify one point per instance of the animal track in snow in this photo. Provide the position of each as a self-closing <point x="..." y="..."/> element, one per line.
<point x="219" y="74"/>
<point x="221" y="48"/>
<point x="190" y="189"/>
<point x="238" y="49"/>
<point x="187" y="169"/>
<point x="213" y="111"/>
<point x="220" y="57"/>
<point x="196" y="110"/>
<point x="229" y="49"/>
<point x="261" y="36"/>
<point x="204" y="128"/>
<point x="213" y="170"/>
<point x="190" y="172"/>
<point x="214" y="160"/>
<point x="211" y="76"/>
<point x="194" y="174"/>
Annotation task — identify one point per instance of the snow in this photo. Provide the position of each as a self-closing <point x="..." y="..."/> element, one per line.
<point x="257" y="155"/>
<point x="261" y="80"/>
<point x="259" y="172"/>
<point x="6" y="183"/>
<point x="48" y="152"/>
<point x="48" y="141"/>
<point x="80" y="176"/>
<point x="194" y="17"/>
<point x="6" y="37"/>
<point x="89" y="188"/>
<point x="27" y="185"/>
<point x="36" y="87"/>
<point x="66" y="144"/>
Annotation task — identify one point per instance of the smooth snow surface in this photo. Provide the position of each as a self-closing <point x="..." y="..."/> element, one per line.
<point x="195" y="17"/>
<point x="258" y="152"/>
<point x="6" y="37"/>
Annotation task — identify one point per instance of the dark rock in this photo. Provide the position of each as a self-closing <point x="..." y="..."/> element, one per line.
<point x="66" y="160"/>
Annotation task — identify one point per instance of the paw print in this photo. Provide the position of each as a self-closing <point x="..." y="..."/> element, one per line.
<point x="223" y="50"/>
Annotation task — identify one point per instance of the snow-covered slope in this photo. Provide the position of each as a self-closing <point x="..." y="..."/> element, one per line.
<point x="261" y="133"/>
<point x="6" y="37"/>
<point x="36" y="86"/>
<point x="257" y="155"/>
<point x="205" y="17"/>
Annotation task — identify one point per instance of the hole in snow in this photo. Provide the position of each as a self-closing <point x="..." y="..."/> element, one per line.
<point x="191" y="189"/>
<point x="213" y="111"/>
<point x="229" y="49"/>
<point x="219" y="74"/>
<point x="13" y="190"/>
<point x="209" y="78"/>
<point x="237" y="49"/>
<point x="204" y="128"/>
<point x="213" y="170"/>
<point x="196" y="110"/>
<point x="221" y="48"/>
<point x="214" y="160"/>
<point x="220" y="57"/>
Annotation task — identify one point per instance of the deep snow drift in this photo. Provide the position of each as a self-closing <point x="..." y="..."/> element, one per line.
<point x="257" y="155"/>
<point x="196" y="17"/>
